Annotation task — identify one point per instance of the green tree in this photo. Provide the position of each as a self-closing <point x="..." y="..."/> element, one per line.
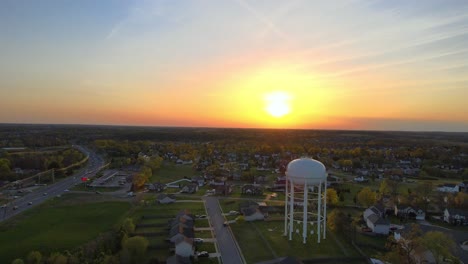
<point x="366" y="197"/>
<point x="110" y="260"/>
<point x="461" y="200"/>
<point x="439" y="244"/>
<point x="423" y="193"/>
<point x="154" y="163"/>
<point x="404" y="250"/>
<point x="34" y="257"/>
<point x="332" y="197"/>
<point x="338" y="222"/>
<point x="128" y="226"/>
<point x="141" y="178"/>
<point x="240" y="219"/>
<point x="57" y="258"/>
<point x="17" y="261"/>
<point x="5" y="166"/>
<point x="136" y="247"/>
<point x="385" y="188"/>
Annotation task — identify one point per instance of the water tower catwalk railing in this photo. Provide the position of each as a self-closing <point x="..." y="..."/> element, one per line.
<point x="306" y="204"/>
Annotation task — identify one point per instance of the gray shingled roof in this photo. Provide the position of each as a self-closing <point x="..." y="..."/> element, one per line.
<point x="377" y="220"/>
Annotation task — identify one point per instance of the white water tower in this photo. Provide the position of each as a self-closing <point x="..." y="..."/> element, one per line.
<point x="305" y="200"/>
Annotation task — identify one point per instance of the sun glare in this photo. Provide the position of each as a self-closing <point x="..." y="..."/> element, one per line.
<point x="277" y="104"/>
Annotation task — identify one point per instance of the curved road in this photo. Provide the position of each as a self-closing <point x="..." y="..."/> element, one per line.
<point x="39" y="195"/>
<point x="227" y="245"/>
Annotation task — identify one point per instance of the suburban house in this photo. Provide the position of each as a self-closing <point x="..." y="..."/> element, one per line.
<point x="223" y="189"/>
<point x="374" y="218"/>
<point x="252" y="214"/>
<point x="165" y="198"/>
<point x="199" y="180"/>
<point x="449" y="188"/>
<point x="280" y="184"/>
<point x="182" y="234"/>
<point x="360" y="179"/>
<point x="456" y="216"/>
<point x="156" y="187"/>
<point x="253" y="210"/>
<point x="189" y="188"/>
<point x="252" y="189"/>
<point x="409" y="212"/>
<point x="463" y="186"/>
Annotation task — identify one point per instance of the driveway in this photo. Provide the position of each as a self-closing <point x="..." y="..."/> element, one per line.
<point x="227" y="245"/>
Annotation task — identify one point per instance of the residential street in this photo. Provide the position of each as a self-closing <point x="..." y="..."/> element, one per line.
<point x="227" y="245"/>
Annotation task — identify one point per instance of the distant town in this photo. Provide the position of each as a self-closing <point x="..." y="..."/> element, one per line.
<point x="109" y="194"/>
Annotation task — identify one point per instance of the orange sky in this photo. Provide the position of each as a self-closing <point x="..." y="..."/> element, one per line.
<point x="379" y="65"/>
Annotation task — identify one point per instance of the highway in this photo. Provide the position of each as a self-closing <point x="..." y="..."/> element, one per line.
<point x="60" y="187"/>
<point x="227" y="245"/>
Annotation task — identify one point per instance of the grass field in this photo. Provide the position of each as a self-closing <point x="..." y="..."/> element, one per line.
<point x="57" y="225"/>
<point x="170" y="172"/>
<point x="261" y="241"/>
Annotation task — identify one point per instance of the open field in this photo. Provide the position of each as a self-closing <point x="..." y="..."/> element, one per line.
<point x="170" y="172"/>
<point x="59" y="224"/>
<point x="261" y="241"/>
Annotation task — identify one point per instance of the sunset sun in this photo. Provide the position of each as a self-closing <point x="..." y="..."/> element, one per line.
<point x="277" y="104"/>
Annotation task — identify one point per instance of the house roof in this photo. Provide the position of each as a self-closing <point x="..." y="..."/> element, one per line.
<point x="248" y="203"/>
<point x="162" y="196"/>
<point x="248" y="211"/>
<point x="377" y="220"/>
<point x="455" y="211"/>
<point x="451" y="185"/>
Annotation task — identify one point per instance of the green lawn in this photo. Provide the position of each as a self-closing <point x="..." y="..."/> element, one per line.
<point x="171" y="172"/>
<point x="57" y="226"/>
<point x="262" y="241"/>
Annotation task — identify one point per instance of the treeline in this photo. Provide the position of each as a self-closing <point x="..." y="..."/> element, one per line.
<point x="36" y="161"/>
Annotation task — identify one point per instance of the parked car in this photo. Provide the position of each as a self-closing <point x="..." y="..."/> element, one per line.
<point x="44" y="194"/>
<point x="198" y="240"/>
<point x="15" y="207"/>
<point x="366" y="229"/>
<point x="30" y="203"/>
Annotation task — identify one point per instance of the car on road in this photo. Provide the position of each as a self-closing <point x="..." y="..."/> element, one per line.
<point x="44" y="194"/>
<point x="198" y="240"/>
<point x="30" y="203"/>
<point x="202" y="254"/>
<point x="226" y="223"/>
<point x="66" y="190"/>
<point x="15" y="207"/>
<point x="4" y="206"/>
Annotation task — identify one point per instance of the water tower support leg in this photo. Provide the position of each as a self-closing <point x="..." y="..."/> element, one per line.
<point x="291" y="211"/>
<point x="304" y="217"/>
<point x="319" y="209"/>
<point x="325" y="212"/>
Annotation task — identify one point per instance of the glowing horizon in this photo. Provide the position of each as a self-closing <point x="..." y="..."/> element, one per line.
<point x="340" y="64"/>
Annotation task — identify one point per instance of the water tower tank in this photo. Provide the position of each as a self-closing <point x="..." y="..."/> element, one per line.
<point x="305" y="170"/>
